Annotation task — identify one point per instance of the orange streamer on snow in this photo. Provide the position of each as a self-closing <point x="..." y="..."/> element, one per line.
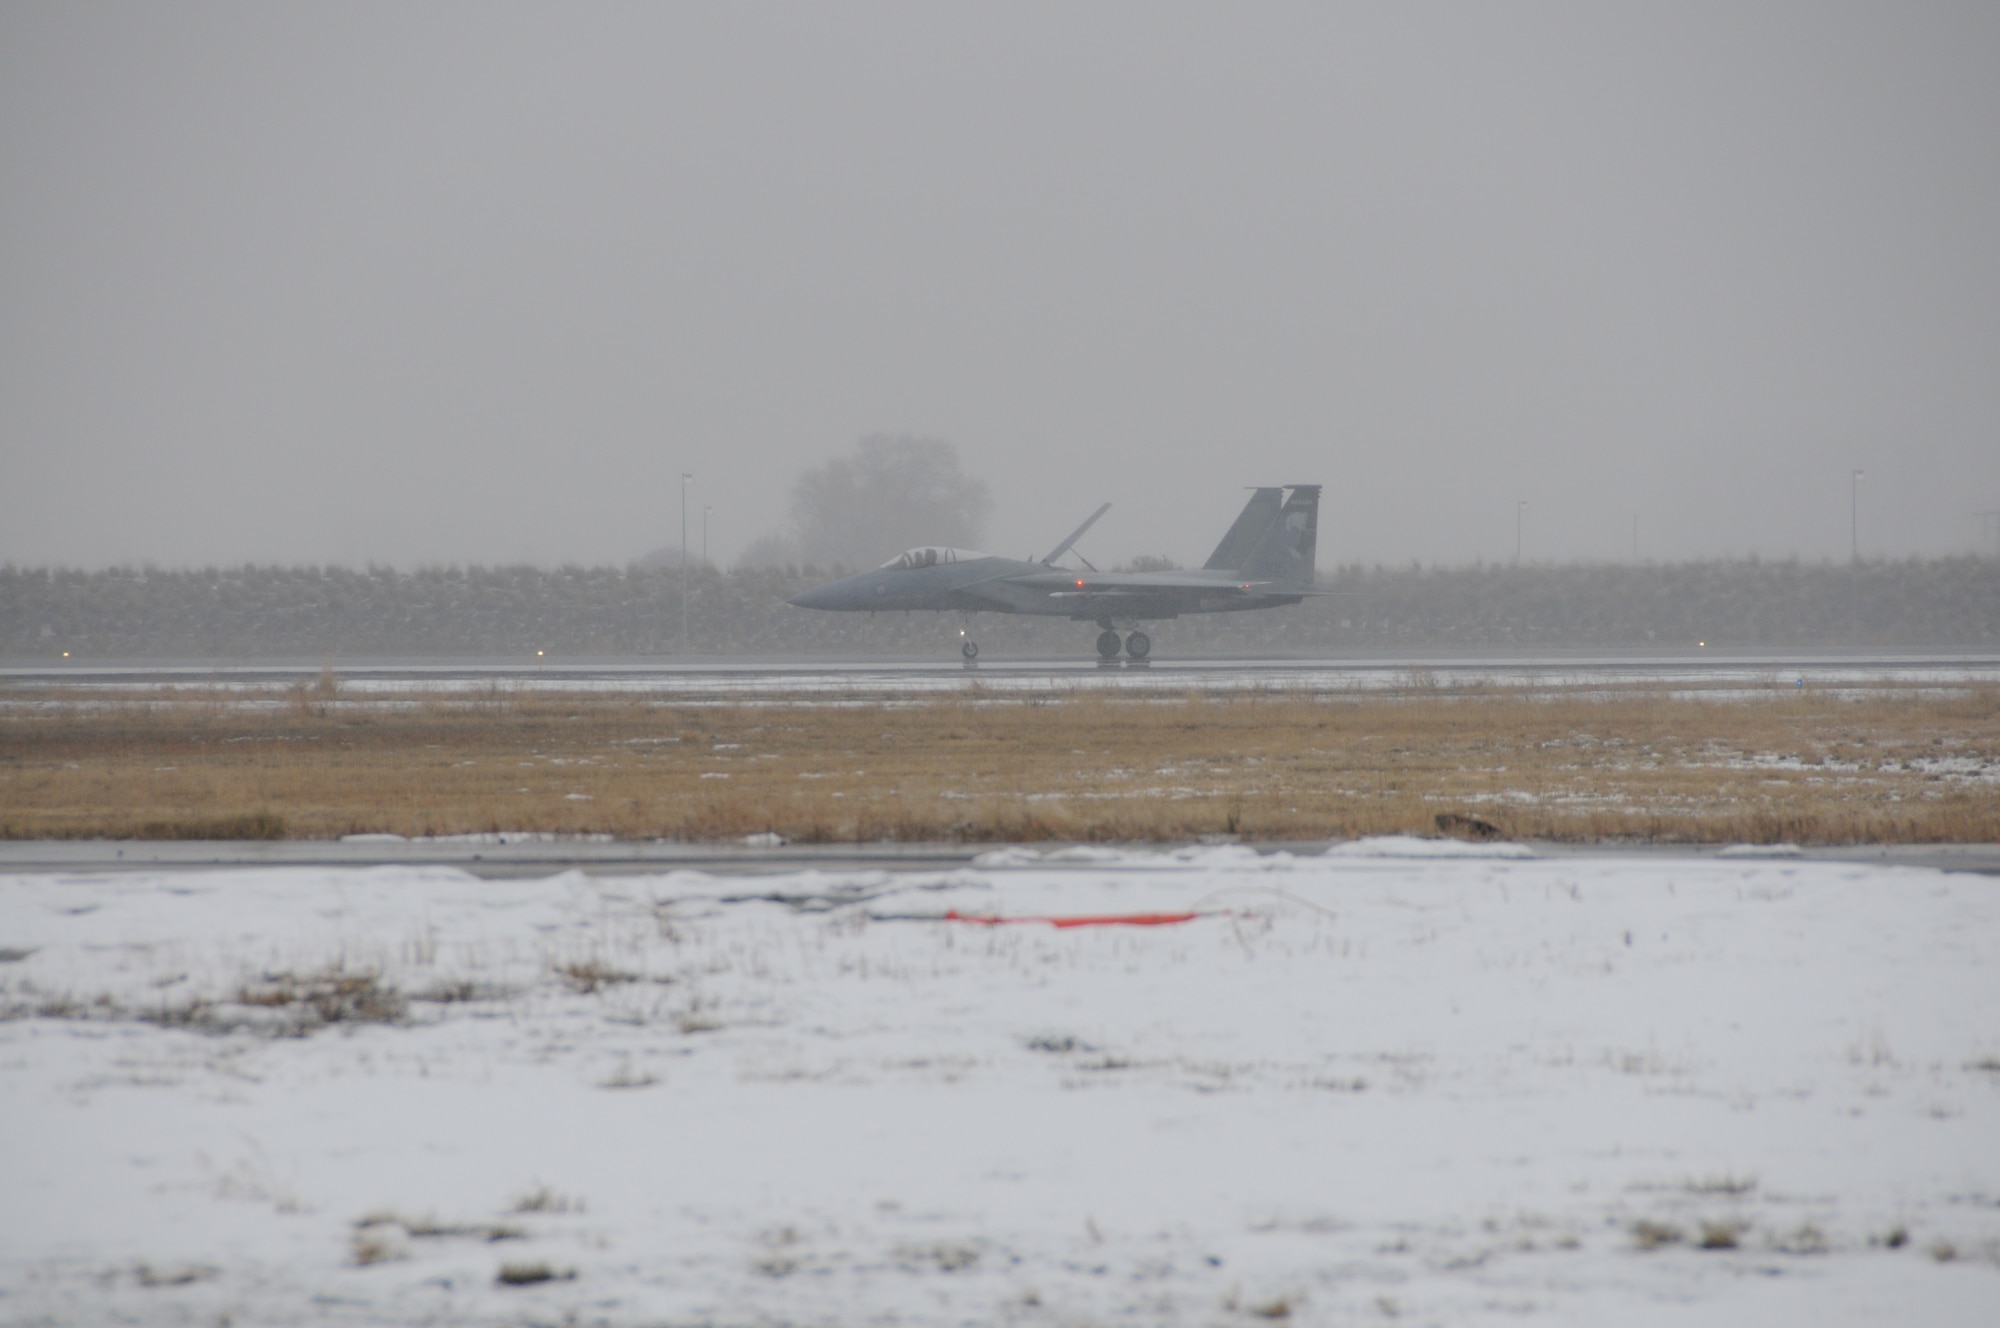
<point x="1084" y="920"/>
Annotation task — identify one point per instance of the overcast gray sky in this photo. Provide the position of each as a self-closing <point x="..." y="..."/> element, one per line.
<point x="439" y="282"/>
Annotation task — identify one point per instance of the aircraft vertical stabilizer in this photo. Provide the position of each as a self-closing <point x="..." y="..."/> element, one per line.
<point x="1289" y="546"/>
<point x="1243" y="538"/>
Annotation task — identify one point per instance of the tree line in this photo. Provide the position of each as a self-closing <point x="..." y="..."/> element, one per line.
<point x="326" y="613"/>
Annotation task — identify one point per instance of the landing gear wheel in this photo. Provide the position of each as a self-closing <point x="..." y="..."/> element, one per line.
<point x="1108" y="644"/>
<point x="970" y="650"/>
<point x="1138" y="645"/>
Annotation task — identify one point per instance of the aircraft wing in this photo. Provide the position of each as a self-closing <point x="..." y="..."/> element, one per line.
<point x="1081" y="594"/>
<point x="1150" y="585"/>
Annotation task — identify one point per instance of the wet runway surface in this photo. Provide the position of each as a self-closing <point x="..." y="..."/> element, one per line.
<point x="530" y="855"/>
<point x="751" y="677"/>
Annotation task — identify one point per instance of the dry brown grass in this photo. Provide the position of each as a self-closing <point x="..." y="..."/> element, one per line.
<point x="1917" y="766"/>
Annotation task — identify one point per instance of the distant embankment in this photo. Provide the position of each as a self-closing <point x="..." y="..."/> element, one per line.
<point x="325" y="613"/>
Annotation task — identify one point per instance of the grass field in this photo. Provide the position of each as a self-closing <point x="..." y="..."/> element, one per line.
<point x="1864" y="765"/>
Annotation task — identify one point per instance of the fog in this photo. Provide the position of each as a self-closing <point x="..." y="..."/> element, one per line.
<point x="478" y="283"/>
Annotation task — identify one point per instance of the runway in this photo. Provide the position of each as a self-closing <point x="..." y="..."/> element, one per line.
<point x="741" y="678"/>
<point x="532" y="856"/>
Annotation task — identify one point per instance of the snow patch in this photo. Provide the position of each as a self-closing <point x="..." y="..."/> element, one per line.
<point x="1457" y="1088"/>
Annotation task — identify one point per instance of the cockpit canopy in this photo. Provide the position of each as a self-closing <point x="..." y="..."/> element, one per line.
<point x="930" y="557"/>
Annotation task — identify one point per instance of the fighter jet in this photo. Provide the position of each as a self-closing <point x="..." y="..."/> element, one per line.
<point x="1264" y="562"/>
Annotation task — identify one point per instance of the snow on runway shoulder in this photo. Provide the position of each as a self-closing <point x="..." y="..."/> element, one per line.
<point x="1434" y="1080"/>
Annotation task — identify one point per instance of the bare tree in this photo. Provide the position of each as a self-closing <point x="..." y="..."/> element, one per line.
<point x="774" y="550"/>
<point x="892" y="493"/>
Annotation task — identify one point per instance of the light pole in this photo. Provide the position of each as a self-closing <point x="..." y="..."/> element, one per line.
<point x="686" y="479"/>
<point x="705" y="510"/>
<point x="1854" y="518"/>
<point x="1520" y="506"/>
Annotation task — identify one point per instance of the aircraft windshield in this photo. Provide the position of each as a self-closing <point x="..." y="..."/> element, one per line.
<point x="931" y="557"/>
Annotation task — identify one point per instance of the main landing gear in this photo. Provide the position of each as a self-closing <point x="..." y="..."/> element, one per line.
<point x="1138" y="645"/>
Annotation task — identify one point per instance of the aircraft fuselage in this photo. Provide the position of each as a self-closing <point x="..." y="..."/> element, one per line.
<point x="992" y="584"/>
<point x="1265" y="561"/>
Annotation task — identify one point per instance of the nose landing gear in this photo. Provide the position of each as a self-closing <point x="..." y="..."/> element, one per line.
<point x="970" y="650"/>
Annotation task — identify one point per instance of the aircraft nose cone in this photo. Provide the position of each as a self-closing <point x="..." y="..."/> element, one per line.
<point x="814" y="598"/>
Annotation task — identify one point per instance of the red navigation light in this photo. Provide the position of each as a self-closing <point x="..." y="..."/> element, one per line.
<point x="1079" y="585"/>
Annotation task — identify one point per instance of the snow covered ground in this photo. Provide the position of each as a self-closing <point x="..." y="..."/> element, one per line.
<point x="1409" y="1081"/>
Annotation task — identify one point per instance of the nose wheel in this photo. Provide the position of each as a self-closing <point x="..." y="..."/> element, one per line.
<point x="970" y="649"/>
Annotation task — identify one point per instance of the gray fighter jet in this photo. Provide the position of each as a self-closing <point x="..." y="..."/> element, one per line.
<point x="1264" y="562"/>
